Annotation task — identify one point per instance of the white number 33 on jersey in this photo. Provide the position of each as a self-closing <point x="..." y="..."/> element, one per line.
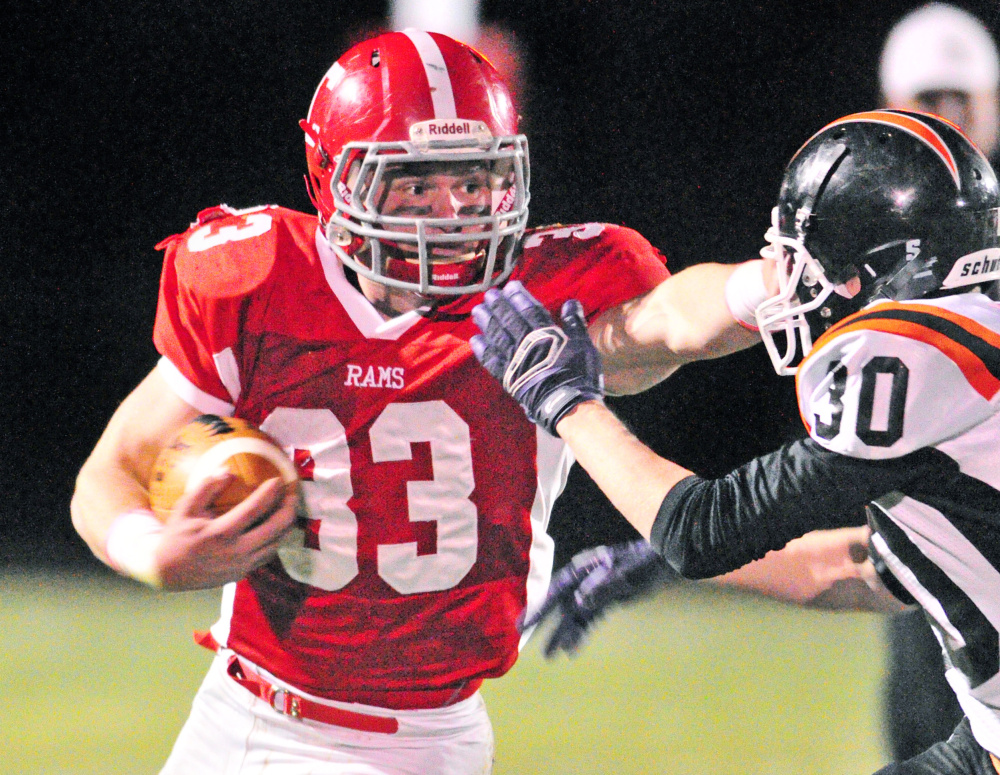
<point x="444" y="499"/>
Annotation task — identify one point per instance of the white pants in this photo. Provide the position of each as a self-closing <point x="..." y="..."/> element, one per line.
<point x="231" y="732"/>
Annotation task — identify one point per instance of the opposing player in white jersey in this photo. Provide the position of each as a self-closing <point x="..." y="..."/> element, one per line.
<point x="354" y="638"/>
<point x="886" y="241"/>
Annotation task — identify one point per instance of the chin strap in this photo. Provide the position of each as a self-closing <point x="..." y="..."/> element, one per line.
<point x="911" y="278"/>
<point x="311" y="190"/>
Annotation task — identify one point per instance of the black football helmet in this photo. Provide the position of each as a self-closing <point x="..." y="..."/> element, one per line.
<point x="886" y="204"/>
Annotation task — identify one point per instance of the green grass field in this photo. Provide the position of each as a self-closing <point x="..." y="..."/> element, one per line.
<point x="96" y="676"/>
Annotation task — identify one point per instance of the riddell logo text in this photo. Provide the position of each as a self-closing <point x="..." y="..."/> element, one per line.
<point x="374" y="376"/>
<point x="458" y="128"/>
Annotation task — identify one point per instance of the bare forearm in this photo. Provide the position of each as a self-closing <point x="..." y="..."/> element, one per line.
<point x="634" y="478"/>
<point x="684" y="319"/>
<point x="113" y="479"/>
<point x="102" y="493"/>
<point x="823" y="569"/>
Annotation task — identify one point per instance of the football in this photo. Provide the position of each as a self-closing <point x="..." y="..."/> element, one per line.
<point x="210" y="444"/>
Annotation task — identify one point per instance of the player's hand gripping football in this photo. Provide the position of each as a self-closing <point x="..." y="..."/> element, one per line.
<point x="593" y="582"/>
<point x="548" y="369"/>
<point x="199" y="549"/>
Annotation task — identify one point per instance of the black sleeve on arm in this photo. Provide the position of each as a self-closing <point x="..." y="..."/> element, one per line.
<point x="707" y="527"/>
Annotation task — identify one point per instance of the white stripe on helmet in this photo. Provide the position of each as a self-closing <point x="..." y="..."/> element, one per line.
<point x="437" y="73"/>
<point x="330" y="81"/>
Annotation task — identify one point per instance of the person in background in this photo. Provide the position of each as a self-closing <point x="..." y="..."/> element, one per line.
<point x="943" y="60"/>
<point x="464" y="21"/>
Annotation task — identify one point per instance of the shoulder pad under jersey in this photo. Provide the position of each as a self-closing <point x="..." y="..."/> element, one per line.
<point x="599" y="264"/>
<point x="897" y="377"/>
<point x="228" y="252"/>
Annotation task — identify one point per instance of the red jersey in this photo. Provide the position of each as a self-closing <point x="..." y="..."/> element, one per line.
<point x="428" y="490"/>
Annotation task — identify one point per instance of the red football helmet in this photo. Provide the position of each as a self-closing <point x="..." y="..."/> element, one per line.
<point x="404" y="104"/>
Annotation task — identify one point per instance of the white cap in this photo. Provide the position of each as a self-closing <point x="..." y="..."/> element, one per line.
<point x="938" y="47"/>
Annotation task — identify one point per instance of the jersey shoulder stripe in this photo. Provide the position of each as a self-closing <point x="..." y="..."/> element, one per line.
<point x="973" y="347"/>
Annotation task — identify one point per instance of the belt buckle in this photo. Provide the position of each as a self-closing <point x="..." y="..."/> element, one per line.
<point x="285" y="703"/>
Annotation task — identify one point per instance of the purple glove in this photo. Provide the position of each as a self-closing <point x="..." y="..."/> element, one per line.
<point x="593" y="582"/>
<point x="548" y="369"/>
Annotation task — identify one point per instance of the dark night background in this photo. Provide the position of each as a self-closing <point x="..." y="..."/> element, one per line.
<point x="121" y="121"/>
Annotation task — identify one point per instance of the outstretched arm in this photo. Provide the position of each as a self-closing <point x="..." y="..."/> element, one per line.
<point x="703" y="527"/>
<point x="635" y="479"/>
<point x="828" y="569"/>
<point x="704" y="311"/>
<point x="822" y="569"/>
<point x="709" y="527"/>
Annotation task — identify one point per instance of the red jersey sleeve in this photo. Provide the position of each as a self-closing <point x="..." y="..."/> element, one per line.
<point x="600" y="264"/>
<point x="211" y="274"/>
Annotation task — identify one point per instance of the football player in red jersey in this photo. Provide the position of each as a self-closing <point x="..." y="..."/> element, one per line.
<point x="886" y="241"/>
<point x="355" y="632"/>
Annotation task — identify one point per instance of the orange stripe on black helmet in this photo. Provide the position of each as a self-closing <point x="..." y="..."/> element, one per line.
<point x="912" y="124"/>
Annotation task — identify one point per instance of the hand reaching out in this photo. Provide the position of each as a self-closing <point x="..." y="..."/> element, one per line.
<point x="593" y="582"/>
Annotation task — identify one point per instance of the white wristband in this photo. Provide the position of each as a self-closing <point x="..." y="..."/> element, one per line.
<point x="131" y="546"/>
<point x="745" y="291"/>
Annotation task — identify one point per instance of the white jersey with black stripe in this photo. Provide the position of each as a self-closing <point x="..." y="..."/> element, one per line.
<point x="896" y="378"/>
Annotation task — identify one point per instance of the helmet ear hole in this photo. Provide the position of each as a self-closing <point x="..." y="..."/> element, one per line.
<point x="849" y="288"/>
<point x="312" y="187"/>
